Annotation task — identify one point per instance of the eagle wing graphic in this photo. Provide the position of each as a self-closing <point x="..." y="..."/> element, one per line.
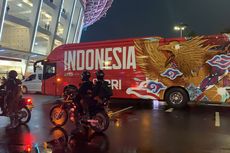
<point x="150" y="60"/>
<point x="190" y="55"/>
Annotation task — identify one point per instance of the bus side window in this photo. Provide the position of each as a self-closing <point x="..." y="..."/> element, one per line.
<point x="49" y="70"/>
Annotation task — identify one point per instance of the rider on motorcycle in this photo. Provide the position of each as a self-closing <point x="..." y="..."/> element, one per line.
<point x="89" y="99"/>
<point x="102" y="89"/>
<point x="85" y="91"/>
<point x="13" y="93"/>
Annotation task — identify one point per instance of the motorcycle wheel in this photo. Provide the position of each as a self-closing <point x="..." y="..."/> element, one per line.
<point x="24" y="115"/>
<point x="58" y="132"/>
<point x="103" y="122"/>
<point x="58" y="116"/>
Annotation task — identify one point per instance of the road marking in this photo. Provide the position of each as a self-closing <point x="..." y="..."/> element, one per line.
<point x="122" y="110"/>
<point x="217" y="119"/>
<point x="169" y="110"/>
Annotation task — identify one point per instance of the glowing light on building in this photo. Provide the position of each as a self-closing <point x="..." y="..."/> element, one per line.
<point x="94" y="10"/>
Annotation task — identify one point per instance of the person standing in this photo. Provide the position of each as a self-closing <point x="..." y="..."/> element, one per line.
<point x="85" y="91"/>
<point x="102" y="89"/>
<point x="13" y="93"/>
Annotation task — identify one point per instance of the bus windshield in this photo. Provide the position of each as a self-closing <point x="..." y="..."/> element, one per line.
<point x="49" y="70"/>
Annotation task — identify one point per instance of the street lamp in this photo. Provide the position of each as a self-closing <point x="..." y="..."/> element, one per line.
<point x="180" y="28"/>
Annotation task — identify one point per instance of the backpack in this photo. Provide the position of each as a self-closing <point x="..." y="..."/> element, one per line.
<point x="105" y="90"/>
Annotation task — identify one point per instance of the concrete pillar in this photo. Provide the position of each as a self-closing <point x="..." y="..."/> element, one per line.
<point x="71" y="9"/>
<point x="77" y="23"/>
<point x="3" y="8"/>
<point x="34" y="20"/>
<point x="54" y="23"/>
<point x="24" y="66"/>
<point x="79" y="28"/>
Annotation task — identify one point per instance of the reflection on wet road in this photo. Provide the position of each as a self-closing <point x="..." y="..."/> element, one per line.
<point x="82" y="140"/>
<point x="134" y="130"/>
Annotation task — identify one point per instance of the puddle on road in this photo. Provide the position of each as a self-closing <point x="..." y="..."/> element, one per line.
<point x="60" y="141"/>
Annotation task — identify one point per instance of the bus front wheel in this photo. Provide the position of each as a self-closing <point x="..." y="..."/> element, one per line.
<point x="176" y="97"/>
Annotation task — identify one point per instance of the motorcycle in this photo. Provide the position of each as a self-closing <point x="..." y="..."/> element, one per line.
<point x="97" y="119"/>
<point x="60" y="113"/>
<point x="70" y="108"/>
<point x="25" y="106"/>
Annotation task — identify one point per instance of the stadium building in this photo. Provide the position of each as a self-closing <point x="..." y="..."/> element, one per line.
<point x="31" y="29"/>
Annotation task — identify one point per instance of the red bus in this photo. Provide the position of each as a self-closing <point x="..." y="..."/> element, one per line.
<point x="176" y="70"/>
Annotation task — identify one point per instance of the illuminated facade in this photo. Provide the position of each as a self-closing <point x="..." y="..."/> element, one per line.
<point x="31" y="29"/>
<point x="95" y="10"/>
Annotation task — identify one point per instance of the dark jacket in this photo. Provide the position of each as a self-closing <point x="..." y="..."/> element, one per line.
<point x="102" y="89"/>
<point x="11" y="85"/>
<point x="97" y="88"/>
<point x="86" y="88"/>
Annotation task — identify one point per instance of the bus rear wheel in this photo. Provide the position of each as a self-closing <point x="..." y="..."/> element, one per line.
<point x="176" y="97"/>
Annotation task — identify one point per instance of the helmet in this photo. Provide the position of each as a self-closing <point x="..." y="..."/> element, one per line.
<point x="85" y="75"/>
<point x="100" y="75"/>
<point x="12" y="74"/>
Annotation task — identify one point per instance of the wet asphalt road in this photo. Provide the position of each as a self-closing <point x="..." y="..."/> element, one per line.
<point x="201" y="129"/>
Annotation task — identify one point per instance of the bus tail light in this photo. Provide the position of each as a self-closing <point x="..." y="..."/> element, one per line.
<point x="58" y="80"/>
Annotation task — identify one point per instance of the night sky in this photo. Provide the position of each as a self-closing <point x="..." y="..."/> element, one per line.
<point x="139" y="18"/>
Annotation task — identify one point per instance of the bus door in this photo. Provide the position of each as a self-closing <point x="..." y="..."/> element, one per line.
<point x="49" y="79"/>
